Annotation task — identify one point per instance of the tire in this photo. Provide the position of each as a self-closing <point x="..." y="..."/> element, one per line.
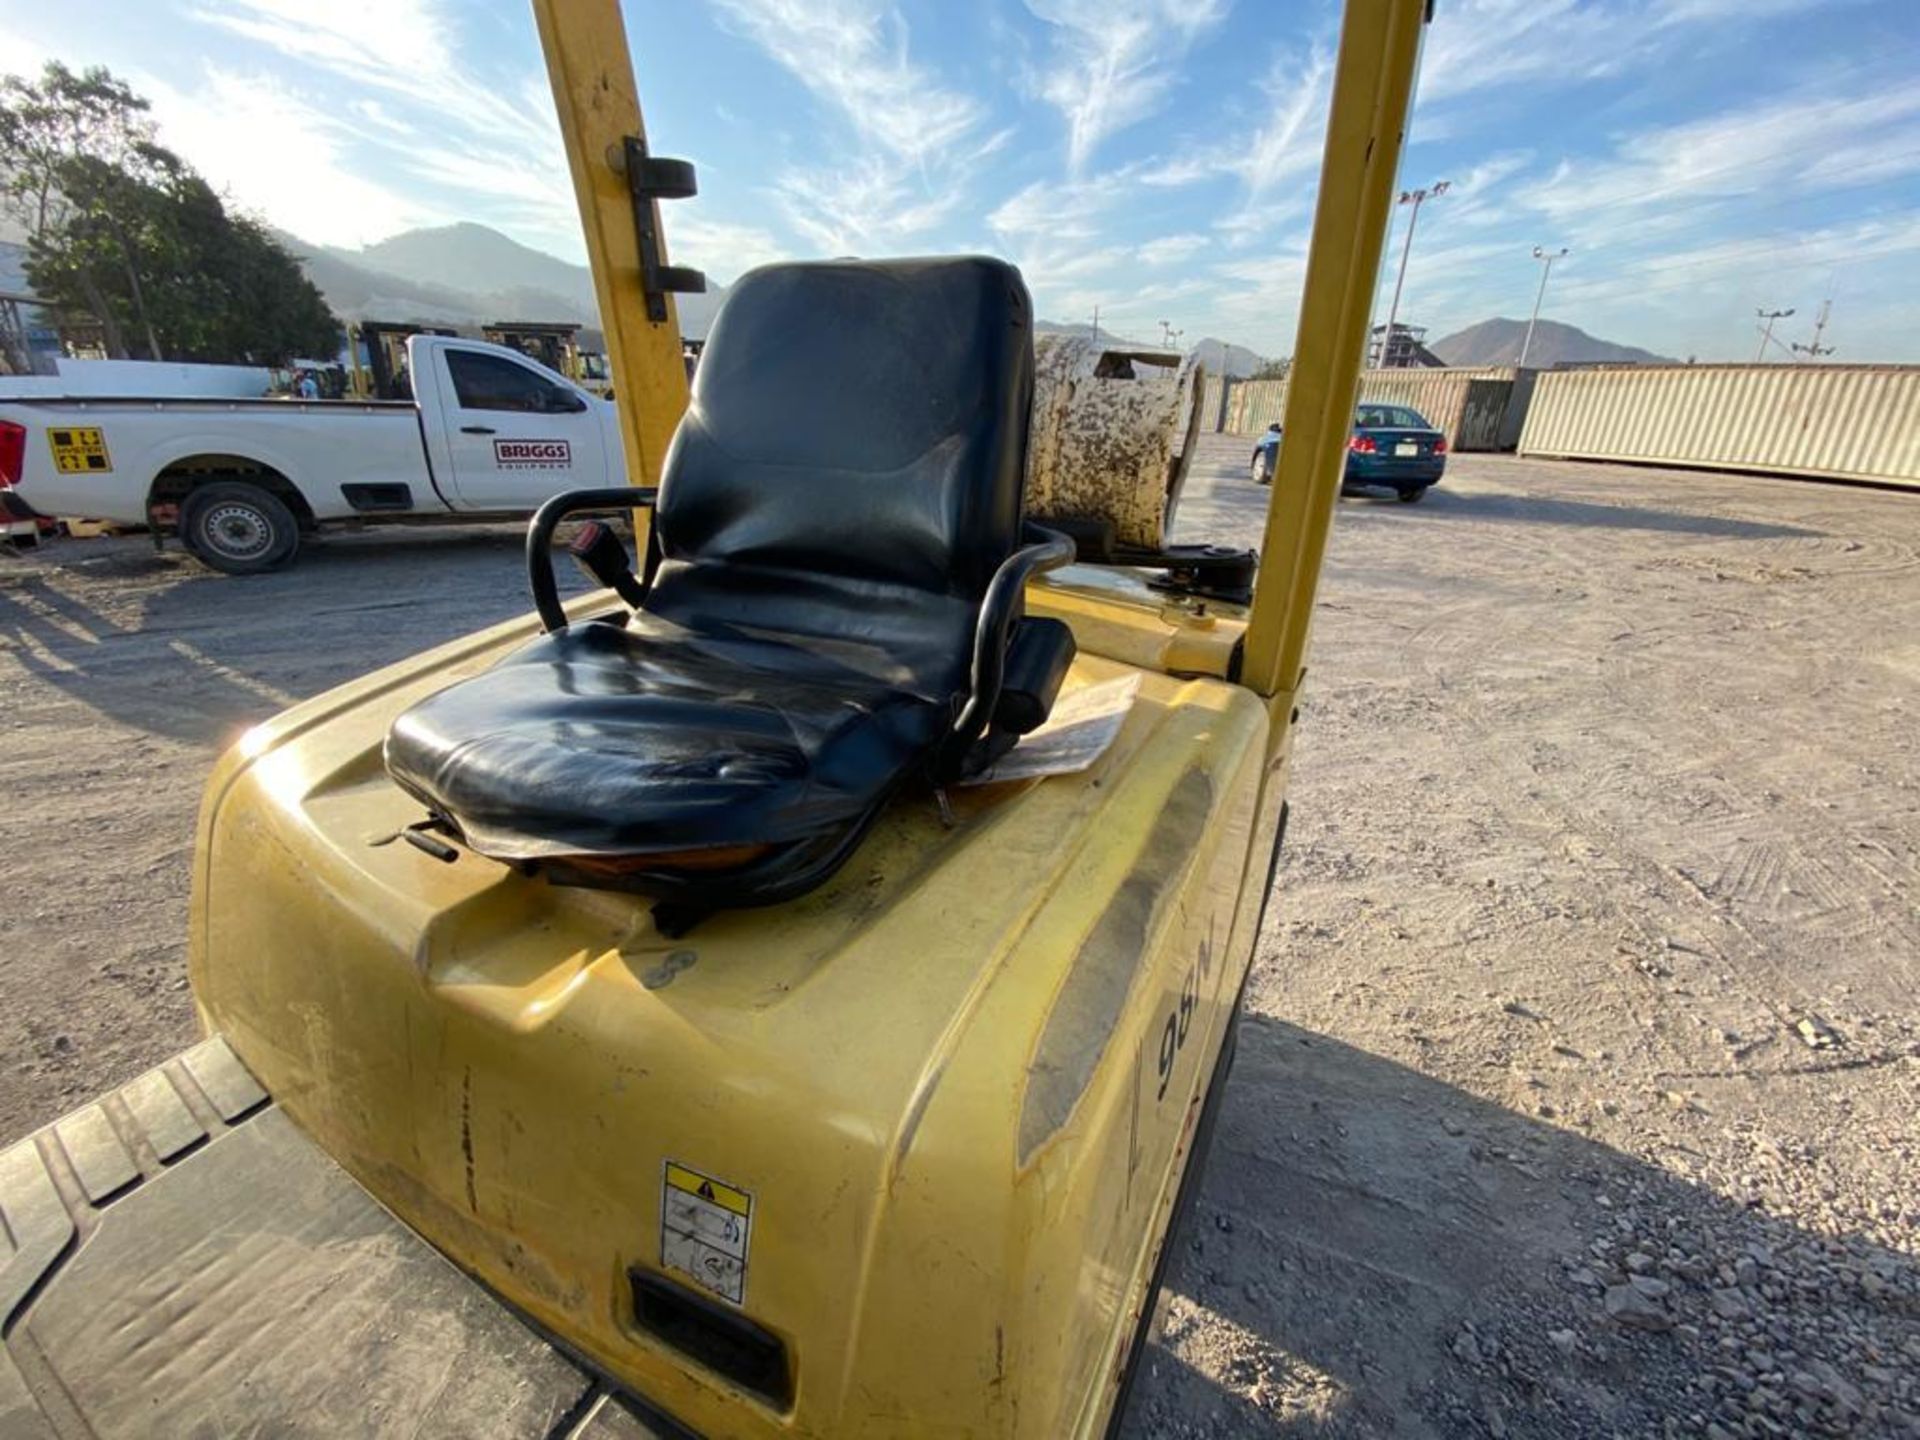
<point x="1414" y="495"/>
<point x="1262" y="470"/>
<point x="237" y="528"/>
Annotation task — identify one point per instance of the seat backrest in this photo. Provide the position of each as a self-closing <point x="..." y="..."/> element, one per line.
<point x="855" y="420"/>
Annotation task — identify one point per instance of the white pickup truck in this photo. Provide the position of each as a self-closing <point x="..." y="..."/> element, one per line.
<point x="489" y="433"/>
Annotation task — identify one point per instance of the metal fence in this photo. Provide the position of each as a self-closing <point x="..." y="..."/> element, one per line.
<point x="1845" y="422"/>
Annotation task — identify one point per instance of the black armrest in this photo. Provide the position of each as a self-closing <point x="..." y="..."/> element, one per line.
<point x="546" y="591"/>
<point x="1046" y="550"/>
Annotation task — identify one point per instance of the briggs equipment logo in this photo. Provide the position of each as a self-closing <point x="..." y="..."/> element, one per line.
<point x="532" y="454"/>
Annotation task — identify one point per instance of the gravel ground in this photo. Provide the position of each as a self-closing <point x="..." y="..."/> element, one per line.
<point x="1577" y="1092"/>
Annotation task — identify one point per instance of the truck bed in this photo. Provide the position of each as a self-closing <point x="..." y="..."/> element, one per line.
<point x="177" y="1259"/>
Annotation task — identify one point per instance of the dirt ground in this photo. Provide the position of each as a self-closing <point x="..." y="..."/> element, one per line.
<point x="1578" y="1090"/>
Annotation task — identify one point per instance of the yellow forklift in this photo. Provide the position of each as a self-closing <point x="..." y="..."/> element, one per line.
<point x="377" y="358"/>
<point x="555" y="344"/>
<point x="681" y="1011"/>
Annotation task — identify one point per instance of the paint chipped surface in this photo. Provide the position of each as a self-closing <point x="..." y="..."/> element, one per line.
<point x="1112" y="430"/>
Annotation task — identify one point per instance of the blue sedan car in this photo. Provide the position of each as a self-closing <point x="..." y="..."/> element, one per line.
<point x="1391" y="447"/>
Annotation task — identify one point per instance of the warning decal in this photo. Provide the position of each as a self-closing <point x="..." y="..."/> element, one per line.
<point x="704" y="1228"/>
<point x="79" y="450"/>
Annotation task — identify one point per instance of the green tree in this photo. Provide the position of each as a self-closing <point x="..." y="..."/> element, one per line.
<point x="122" y="231"/>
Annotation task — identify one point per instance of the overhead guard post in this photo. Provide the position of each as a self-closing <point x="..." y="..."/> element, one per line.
<point x="1372" y="94"/>
<point x="598" y="105"/>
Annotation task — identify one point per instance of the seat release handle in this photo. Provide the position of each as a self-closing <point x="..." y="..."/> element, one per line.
<point x="603" y="556"/>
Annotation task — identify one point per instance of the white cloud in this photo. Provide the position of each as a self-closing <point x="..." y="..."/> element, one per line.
<point x="723" y="248"/>
<point x="1753" y="264"/>
<point x="852" y="54"/>
<point x="280" y="157"/>
<point x="1479" y="45"/>
<point x="1258" y="299"/>
<point x="408" y="48"/>
<point x="1273" y="151"/>
<point x="1288" y="145"/>
<point x="1114" y="62"/>
<point x="1171" y="249"/>
<point x="416" y="107"/>
<point x="1060" y="233"/>
<point x="916" y="140"/>
<point x="1795" y="145"/>
<point x="1675" y="12"/>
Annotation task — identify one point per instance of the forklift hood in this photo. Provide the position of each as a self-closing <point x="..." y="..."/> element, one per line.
<point x="758" y="1172"/>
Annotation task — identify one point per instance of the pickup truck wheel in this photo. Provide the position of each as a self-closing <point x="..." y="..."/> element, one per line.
<point x="1262" y="472"/>
<point x="238" y="528"/>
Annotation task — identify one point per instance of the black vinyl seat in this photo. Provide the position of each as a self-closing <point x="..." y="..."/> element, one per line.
<point x="831" y="608"/>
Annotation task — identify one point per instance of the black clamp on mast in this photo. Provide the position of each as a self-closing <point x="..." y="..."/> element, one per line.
<point x="651" y="178"/>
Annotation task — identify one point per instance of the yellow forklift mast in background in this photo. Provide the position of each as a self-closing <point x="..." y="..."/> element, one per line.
<point x="555" y="345"/>
<point x="377" y="358"/>
<point x="899" y="1156"/>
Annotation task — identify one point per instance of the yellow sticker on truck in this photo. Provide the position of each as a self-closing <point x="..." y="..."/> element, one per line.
<point x="79" y="450"/>
<point x="705" y="1226"/>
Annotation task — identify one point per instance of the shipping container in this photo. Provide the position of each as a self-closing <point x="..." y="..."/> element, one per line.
<point x="1213" y="403"/>
<point x="1476" y="409"/>
<point x="1840" y="422"/>
<point x="1252" y="405"/>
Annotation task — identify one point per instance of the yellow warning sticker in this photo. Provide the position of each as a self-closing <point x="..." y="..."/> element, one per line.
<point x="79" y="450"/>
<point x="705" y="1225"/>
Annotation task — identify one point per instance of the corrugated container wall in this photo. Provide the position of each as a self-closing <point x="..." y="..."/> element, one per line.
<point x="1844" y="422"/>
<point x="1477" y="409"/>
<point x="1213" y="403"/>
<point x="1252" y="405"/>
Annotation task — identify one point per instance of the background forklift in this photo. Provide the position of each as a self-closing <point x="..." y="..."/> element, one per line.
<point x="554" y="344"/>
<point x="377" y="352"/>
<point x="469" y="1152"/>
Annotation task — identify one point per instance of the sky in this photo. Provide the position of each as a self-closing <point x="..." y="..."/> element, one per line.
<point x="1699" y="159"/>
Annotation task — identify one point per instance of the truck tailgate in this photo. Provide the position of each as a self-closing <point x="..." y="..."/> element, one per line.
<point x="178" y="1260"/>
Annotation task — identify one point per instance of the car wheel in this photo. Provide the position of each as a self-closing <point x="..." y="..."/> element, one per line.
<point x="1262" y="468"/>
<point x="238" y="528"/>
<point x="1412" y="495"/>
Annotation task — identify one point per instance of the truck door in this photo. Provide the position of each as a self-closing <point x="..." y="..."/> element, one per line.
<point x="516" y="433"/>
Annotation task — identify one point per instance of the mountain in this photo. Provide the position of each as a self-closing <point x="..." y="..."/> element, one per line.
<point x="484" y="260"/>
<point x="465" y="276"/>
<point x="1219" y="357"/>
<point x="1497" y="342"/>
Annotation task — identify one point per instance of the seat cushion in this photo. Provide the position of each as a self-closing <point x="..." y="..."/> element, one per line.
<point x="599" y="740"/>
<point x="844" y="486"/>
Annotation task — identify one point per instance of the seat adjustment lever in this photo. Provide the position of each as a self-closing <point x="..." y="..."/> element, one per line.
<point x="603" y="556"/>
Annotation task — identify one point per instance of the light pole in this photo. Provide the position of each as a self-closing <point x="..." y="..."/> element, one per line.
<point x="1415" y="198"/>
<point x="1815" y="350"/>
<point x="1546" y="257"/>
<point x="1766" y="332"/>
